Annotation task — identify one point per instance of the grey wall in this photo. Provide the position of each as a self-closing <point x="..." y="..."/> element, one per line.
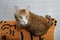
<point x="40" y="7"/>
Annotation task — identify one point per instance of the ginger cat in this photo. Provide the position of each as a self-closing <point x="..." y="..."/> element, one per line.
<point x="35" y="24"/>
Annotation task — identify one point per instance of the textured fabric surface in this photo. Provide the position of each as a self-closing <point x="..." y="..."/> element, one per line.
<point x="9" y="30"/>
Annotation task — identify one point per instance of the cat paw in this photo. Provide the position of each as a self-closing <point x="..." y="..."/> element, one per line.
<point x="54" y="21"/>
<point x="48" y="17"/>
<point x="41" y="38"/>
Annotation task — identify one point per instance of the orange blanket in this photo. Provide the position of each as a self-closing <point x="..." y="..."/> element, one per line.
<point x="9" y="30"/>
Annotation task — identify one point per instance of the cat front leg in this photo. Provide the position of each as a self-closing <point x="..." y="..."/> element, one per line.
<point x="40" y="38"/>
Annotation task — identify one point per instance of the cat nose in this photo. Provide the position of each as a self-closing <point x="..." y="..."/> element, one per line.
<point x="23" y="21"/>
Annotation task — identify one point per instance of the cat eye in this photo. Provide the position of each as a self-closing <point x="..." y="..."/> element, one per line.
<point x="20" y="17"/>
<point x="26" y="16"/>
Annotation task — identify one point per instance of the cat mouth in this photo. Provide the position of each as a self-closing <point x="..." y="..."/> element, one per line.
<point x="22" y="23"/>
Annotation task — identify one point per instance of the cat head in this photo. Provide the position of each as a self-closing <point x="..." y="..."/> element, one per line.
<point x="22" y="16"/>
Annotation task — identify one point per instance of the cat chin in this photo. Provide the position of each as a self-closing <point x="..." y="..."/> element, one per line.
<point x="22" y="24"/>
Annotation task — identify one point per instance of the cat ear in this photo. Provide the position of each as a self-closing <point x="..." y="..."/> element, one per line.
<point x="16" y="9"/>
<point x="15" y="15"/>
<point x="27" y="9"/>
